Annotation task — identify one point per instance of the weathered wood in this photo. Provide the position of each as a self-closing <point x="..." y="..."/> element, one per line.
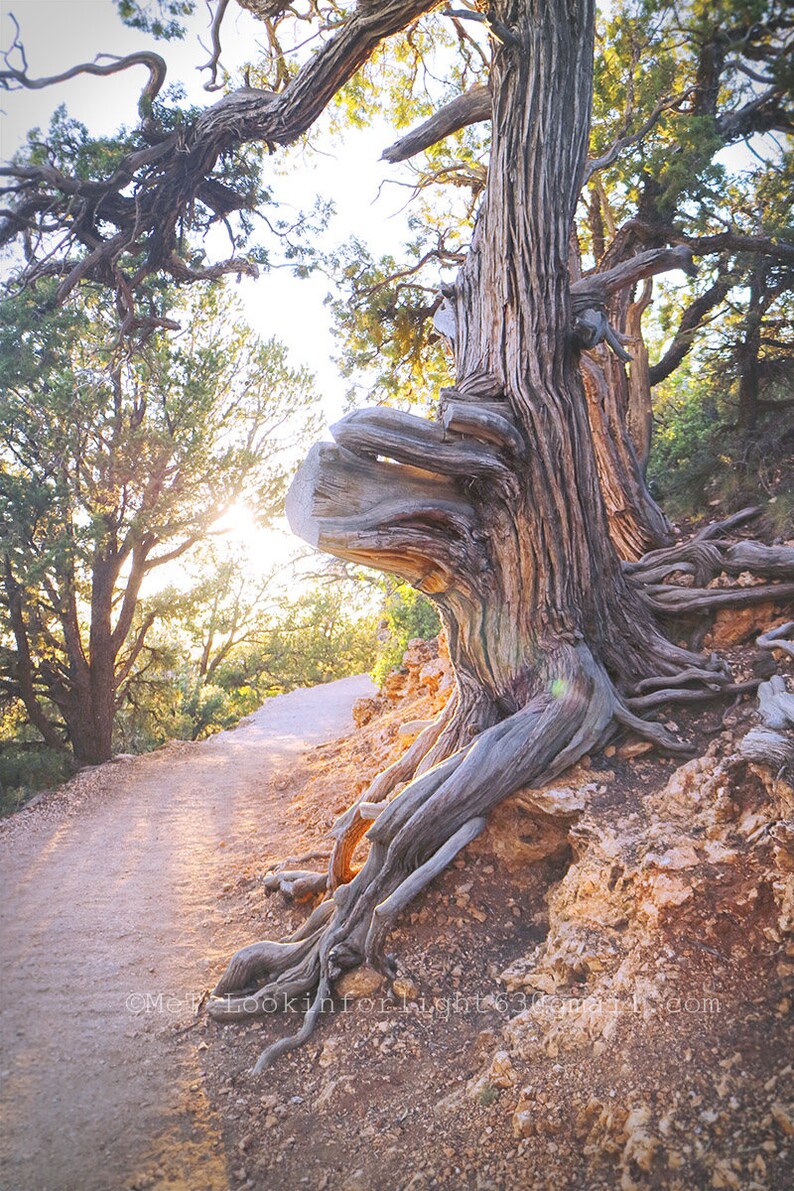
<point x="772" y="743"/>
<point x="471" y="107"/>
<point x="776" y="639"/>
<point x="683" y="600"/>
<point x="392" y="434"/>
<point x="594" y="289"/>
<point x="483" y="424"/>
<point x="498" y="512"/>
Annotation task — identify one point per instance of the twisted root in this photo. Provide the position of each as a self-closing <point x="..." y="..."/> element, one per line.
<point x="414" y="838"/>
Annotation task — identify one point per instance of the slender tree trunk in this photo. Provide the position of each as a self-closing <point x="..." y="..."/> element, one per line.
<point x="747" y="357"/>
<point x="89" y="709"/>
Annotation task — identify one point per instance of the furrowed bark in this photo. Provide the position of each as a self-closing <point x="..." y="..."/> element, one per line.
<point x="496" y="511"/>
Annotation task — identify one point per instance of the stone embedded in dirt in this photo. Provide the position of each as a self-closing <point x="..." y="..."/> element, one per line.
<point x="366" y="708"/>
<point x="641" y="1145"/>
<point x="526" y="1113"/>
<point x="361" y="982"/>
<point x="634" y="748"/>
<point x="502" y="1073"/>
<point x="356" y="1181"/>
<point x="680" y="857"/>
<point x="395" y="685"/>
<point x="783" y="1118"/>
<point x="405" y="989"/>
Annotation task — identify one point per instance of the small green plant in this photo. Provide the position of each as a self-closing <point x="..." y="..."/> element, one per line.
<point x="407" y="614"/>
<point x="26" y="769"/>
<point x="703" y="462"/>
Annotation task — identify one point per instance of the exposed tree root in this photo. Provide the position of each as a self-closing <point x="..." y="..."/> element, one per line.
<point x="351" y="827"/>
<point x="772" y="743"/>
<point x="705" y="556"/>
<point x="667" y="600"/>
<point x="421" y="811"/>
<point x="713" y="679"/>
<point x="683" y="695"/>
<point x="415" y="837"/>
<point x="775" y="639"/>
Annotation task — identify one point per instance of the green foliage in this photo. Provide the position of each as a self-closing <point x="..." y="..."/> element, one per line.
<point x="384" y="325"/>
<point x="113" y="463"/>
<point x="406" y="614"/>
<point x="320" y="636"/>
<point x="26" y="767"/>
<point x="685" y="450"/>
<point x="205" y="679"/>
<point x="161" y="18"/>
<point x="702" y="461"/>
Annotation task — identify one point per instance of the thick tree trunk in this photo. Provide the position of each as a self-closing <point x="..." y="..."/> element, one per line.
<point x="495" y="511"/>
<point x="90" y="728"/>
<point x="552" y="574"/>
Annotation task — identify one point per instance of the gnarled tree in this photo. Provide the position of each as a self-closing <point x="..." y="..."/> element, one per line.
<point x="495" y="510"/>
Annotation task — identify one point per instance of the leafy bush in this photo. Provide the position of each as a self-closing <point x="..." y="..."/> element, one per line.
<point x="25" y="769"/>
<point x="407" y="614"/>
<point x="701" y="461"/>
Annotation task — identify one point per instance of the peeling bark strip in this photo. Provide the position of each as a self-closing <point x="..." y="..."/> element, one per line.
<point x="496" y="511"/>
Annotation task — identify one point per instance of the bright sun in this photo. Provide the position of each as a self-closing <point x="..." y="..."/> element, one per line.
<point x="238" y="524"/>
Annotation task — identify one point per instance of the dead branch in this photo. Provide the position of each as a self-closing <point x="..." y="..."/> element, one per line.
<point x="153" y="62"/>
<point x="472" y="107"/>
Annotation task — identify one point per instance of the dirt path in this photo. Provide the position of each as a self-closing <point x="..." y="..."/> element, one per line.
<point x="111" y="930"/>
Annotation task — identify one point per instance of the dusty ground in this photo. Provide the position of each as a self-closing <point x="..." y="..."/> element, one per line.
<point x="592" y="1005"/>
<point x="113" y="923"/>
<point x="602" y="1006"/>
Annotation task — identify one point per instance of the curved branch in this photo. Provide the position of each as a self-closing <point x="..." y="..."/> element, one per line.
<point x="402" y="520"/>
<point x="687" y="328"/>
<point x="625" y="142"/>
<point x="215" y="36"/>
<point x="170" y="176"/>
<point x="596" y="288"/>
<point x="153" y="62"/>
<point x="409" y="439"/>
<point x="775" y="639"/>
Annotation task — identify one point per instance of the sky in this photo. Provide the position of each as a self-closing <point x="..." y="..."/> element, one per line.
<point x="60" y="33"/>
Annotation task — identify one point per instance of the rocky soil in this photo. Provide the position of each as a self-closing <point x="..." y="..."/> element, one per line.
<point x="603" y="1004"/>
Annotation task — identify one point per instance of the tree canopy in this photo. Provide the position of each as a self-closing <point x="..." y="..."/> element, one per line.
<point x="113" y="463"/>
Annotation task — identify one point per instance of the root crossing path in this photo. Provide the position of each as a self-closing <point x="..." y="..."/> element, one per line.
<point x="110" y="932"/>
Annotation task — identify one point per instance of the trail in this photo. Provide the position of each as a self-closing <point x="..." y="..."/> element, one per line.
<point x="110" y="930"/>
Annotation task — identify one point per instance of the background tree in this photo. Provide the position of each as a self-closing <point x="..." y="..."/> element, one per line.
<point x="234" y="638"/>
<point x="499" y="510"/>
<point x="114" y="462"/>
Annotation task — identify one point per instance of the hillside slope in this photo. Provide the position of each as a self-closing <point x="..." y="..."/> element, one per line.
<point x="598" y="998"/>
